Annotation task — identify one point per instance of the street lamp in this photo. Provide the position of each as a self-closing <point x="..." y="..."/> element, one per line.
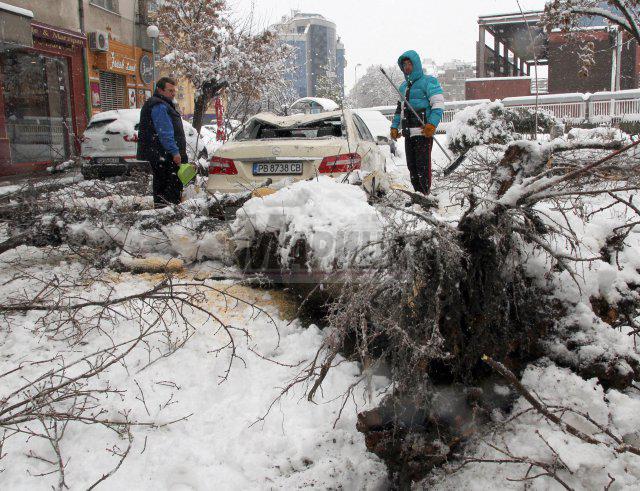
<point x="355" y="80"/>
<point x="153" y="32"/>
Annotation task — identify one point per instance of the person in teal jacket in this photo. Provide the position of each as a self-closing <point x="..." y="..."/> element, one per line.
<point x="425" y="95"/>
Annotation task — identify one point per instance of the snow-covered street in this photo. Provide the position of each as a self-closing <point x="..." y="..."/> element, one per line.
<point x="294" y="244"/>
<point x="231" y="427"/>
<point x="226" y="440"/>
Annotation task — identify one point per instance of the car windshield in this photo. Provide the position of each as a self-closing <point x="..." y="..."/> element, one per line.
<point x="324" y="128"/>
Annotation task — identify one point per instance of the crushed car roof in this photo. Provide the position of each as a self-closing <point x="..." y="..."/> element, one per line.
<point x="295" y="119"/>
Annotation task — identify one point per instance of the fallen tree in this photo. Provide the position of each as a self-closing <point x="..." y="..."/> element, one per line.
<point x="426" y="299"/>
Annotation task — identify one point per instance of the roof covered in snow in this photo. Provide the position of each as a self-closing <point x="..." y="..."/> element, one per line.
<point x="531" y="16"/>
<point x="16" y="10"/>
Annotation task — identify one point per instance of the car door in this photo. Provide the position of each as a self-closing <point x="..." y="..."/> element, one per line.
<point x="372" y="158"/>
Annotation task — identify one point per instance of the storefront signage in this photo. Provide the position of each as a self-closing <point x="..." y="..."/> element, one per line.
<point x="119" y="63"/>
<point x="146" y="69"/>
<point x="57" y="36"/>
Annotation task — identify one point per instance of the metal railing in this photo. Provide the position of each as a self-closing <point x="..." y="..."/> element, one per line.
<point x="574" y="111"/>
<point x="601" y="107"/>
<point x="614" y="110"/>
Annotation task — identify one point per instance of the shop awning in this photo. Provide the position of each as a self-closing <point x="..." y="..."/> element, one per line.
<point x="15" y="27"/>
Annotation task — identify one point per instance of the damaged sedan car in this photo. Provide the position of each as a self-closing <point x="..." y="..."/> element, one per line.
<point x="276" y="150"/>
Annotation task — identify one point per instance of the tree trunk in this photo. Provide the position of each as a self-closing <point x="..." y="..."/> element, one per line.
<point x="208" y="91"/>
<point x="199" y="108"/>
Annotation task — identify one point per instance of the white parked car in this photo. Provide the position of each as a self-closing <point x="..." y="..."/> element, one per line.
<point x="110" y="142"/>
<point x="378" y="125"/>
<point x="272" y="148"/>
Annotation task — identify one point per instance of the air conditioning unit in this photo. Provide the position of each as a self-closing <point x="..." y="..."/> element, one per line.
<point x="99" y="41"/>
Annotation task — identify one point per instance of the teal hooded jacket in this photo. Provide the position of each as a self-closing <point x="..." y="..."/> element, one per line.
<point x="426" y="92"/>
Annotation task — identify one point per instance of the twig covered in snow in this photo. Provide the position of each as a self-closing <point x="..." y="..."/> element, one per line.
<point x="567" y="14"/>
<point x="618" y="445"/>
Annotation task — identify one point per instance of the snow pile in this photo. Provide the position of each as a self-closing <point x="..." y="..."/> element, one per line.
<point x="191" y="238"/>
<point x="589" y="340"/>
<point x="334" y="219"/>
<point x="479" y="125"/>
<point x="598" y="134"/>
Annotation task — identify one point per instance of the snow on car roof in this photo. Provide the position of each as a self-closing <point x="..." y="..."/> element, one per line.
<point x="325" y="104"/>
<point x="132" y="115"/>
<point x="377" y="122"/>
<point x="294" y="119"/>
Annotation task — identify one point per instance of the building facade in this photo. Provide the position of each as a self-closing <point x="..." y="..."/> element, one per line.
<point x="61" y="61"/>
<point x="319" y="53"/>
<point x="42" y="86"/>
<point x="119" y="58"/>
<point x="510" y="45"/>
<point x="453" y="76"/>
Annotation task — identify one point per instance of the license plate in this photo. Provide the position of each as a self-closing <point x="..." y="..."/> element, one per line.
<point x="277" y="168"/>
<point x="107" y="160"/>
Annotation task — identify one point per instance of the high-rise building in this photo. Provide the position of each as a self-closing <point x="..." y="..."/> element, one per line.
<point x="319" y="53"/>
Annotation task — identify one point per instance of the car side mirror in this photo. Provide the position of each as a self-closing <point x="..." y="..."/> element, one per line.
<point x="383" y="140"/>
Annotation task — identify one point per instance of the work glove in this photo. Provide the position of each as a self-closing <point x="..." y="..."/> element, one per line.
<point x="429" y="130"/>
<point x="395" y="134"/>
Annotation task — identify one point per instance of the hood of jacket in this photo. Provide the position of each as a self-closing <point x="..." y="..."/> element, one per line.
<point x="417" y="65"/>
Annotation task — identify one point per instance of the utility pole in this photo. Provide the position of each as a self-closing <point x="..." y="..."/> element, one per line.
<point x="153" y="32"/>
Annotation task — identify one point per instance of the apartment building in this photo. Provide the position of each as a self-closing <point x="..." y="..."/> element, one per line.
<point x="61" y="62"/>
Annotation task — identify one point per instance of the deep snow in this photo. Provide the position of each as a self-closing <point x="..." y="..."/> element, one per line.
<point x="219" y="447"/>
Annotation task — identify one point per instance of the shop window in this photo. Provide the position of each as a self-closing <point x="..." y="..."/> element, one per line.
<point x="112" y="90"/>
<point x="111" y="5"/>
<point x="37" y="107"/>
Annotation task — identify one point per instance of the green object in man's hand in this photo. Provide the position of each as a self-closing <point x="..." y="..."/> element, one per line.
<point x="186" y="172"/>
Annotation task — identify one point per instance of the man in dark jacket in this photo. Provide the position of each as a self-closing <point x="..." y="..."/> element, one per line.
<point x="162" y="142"/>
<point x="425" y="96"/>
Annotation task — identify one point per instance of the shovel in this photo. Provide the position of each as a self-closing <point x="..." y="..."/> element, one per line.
<point x="454" y="164"/>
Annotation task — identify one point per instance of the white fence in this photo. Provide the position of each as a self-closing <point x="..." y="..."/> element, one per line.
<point x="601" y="107"/>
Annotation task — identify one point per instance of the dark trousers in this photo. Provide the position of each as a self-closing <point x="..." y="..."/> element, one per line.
<point x="418" y="152"/>
<point x="167" y="188"/>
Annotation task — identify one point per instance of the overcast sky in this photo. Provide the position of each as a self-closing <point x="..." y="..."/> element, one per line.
<point x="376" y="32"/>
